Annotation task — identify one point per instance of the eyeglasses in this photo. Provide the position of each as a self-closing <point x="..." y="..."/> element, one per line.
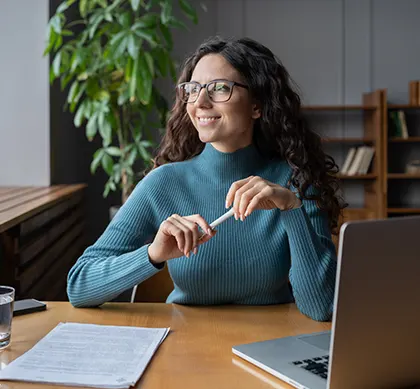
<point x="218" y="91"/>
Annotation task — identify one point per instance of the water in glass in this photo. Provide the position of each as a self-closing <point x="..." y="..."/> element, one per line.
<point x="6" y="315"/>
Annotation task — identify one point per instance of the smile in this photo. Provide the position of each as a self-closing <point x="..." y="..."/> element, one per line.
<point x="208" y="119"/>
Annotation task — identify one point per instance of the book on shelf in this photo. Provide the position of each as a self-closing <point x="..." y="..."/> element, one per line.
<point x="398" y="128"/>
<point x="358" y="160"/>
<point x="414" y="92"/>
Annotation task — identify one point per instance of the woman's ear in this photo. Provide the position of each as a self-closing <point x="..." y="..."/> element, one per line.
<point x="256" y="111"/>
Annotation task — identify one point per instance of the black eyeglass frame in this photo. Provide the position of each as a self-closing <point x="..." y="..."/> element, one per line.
<point x="230" y="83"/>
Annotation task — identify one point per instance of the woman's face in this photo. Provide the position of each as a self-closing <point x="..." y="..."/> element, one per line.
<point x="228" y="126"/>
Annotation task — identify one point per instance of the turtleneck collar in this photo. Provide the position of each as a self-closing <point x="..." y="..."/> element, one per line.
<point x="231" y="166"/>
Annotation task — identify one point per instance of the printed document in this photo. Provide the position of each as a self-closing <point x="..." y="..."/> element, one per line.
<point x="99" y="356"/>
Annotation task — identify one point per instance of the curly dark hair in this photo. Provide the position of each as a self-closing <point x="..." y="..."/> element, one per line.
<point x="280" y="132"/>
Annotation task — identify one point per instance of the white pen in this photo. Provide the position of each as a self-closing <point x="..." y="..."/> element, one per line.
<point x="220" y="220"/>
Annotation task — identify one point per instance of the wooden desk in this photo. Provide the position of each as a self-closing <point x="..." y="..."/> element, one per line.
<point x="197" y="352"/>
<point x="41" y="236"/>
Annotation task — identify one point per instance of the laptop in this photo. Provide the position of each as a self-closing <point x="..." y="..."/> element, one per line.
<point x="374" y="342"/>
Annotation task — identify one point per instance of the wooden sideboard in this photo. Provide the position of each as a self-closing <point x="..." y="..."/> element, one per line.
<point x="41" y="236"/>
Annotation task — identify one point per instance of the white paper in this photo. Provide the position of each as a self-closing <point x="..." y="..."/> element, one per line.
<point x="77" y="354"/>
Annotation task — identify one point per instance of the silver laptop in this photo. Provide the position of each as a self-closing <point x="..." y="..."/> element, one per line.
<point x="374" y="342"/>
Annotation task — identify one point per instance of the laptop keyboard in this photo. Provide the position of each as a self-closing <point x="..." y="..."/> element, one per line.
<point x="318" y="365"/>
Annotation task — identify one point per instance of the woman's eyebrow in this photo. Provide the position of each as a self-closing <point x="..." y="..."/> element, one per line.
<point x="214" y="79"/>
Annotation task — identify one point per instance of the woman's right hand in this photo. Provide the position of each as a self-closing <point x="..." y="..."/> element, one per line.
<point x="177" y="236"/>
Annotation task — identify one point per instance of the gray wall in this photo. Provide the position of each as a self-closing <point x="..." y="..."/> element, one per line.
<point x="24" y="94"/>
<point x="334" y="49"/>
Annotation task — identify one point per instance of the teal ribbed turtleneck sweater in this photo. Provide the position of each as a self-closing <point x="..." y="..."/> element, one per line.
<point x="246" y="262"/>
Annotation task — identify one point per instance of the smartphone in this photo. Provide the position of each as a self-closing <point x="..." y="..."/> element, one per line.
<point x="22" y="307"/>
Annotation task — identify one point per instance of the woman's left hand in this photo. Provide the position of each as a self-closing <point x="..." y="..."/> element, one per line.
<point x="254" y="193"/>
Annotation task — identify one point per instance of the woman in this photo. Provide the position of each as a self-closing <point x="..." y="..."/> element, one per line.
<point x="236" y="138"/>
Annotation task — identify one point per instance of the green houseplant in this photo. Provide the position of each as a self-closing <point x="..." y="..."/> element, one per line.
<point x="109" y="58"/>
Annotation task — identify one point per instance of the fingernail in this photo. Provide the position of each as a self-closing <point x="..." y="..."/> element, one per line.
<point x="209" y="231"/>
<point x="226" y="205"/>
<point x="195" y="250"/>
<point x="242" y="218"/>
<point x="236" y="216"/>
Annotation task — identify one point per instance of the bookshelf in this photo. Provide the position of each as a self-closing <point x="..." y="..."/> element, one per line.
<point x="402" y="188"/>
<point x="371" y="111"/>
<point x="348" y="140"/>
<point x="387" y="188"/>
<point x="366" y="107"/>
<point x="411" y="139"/>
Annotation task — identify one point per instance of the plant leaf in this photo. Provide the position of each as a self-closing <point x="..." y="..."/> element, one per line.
<point x="167" y="35"/>
<point x="73" y="91"/>
<point x="67" y="33"/>
<point x="107" y="163"/>
<point x="52" y="75"/>
<point x="117" y="172"/>
<point x="64" y="5"/>
<point x="147" y="143"/>
<point x="132" y="156"/>
<point x="144" y="81"/>
<point x="125" y="19"/>
<point x="160" y="55"/>
<point x="76" y="59"/>
<point x="52" y="36"/>
<point x="102" y="95"/>
<point x="166" y="12"/>
<point x="106" y="190"/>
<point x="56" y="64"/>
<point x="128" y="69"/>
<point x="118" y="37"/>
<point x="91" y="127"/>
<point x="135" y="4"/>
<point x="150" y="64"/>
<point x="105" y="130"/>
<point x="132" y="46"/>
<point x="150" y="4"/>
<point x="78" y="118"/>
<point x="120" y="48"/>
<point x="83" y="8"/>
<point x="115" y="4"/>
<point x="108" y="16"/>
<point x="133" y="81"/>
<point x="123" y="97"/>
<point x="97" y="157"/>
<point x="55" y="23"/>
<point x="95" y="25"/>
<point x="58" y="42"/>
<point x="114" y="151"/>
<point x="146" y="21"/>
<point x="147" y="35"/>
<point x="189" y="10"/>
<point x="65" y="80"/>
<point x="143" y="152"/>
<point x="175" y="23"/>
<point x="83" y="76"/>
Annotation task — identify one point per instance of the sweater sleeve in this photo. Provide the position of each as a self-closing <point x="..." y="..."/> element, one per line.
<point x="118" y="260"/>
<point x="313" y="260"/>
